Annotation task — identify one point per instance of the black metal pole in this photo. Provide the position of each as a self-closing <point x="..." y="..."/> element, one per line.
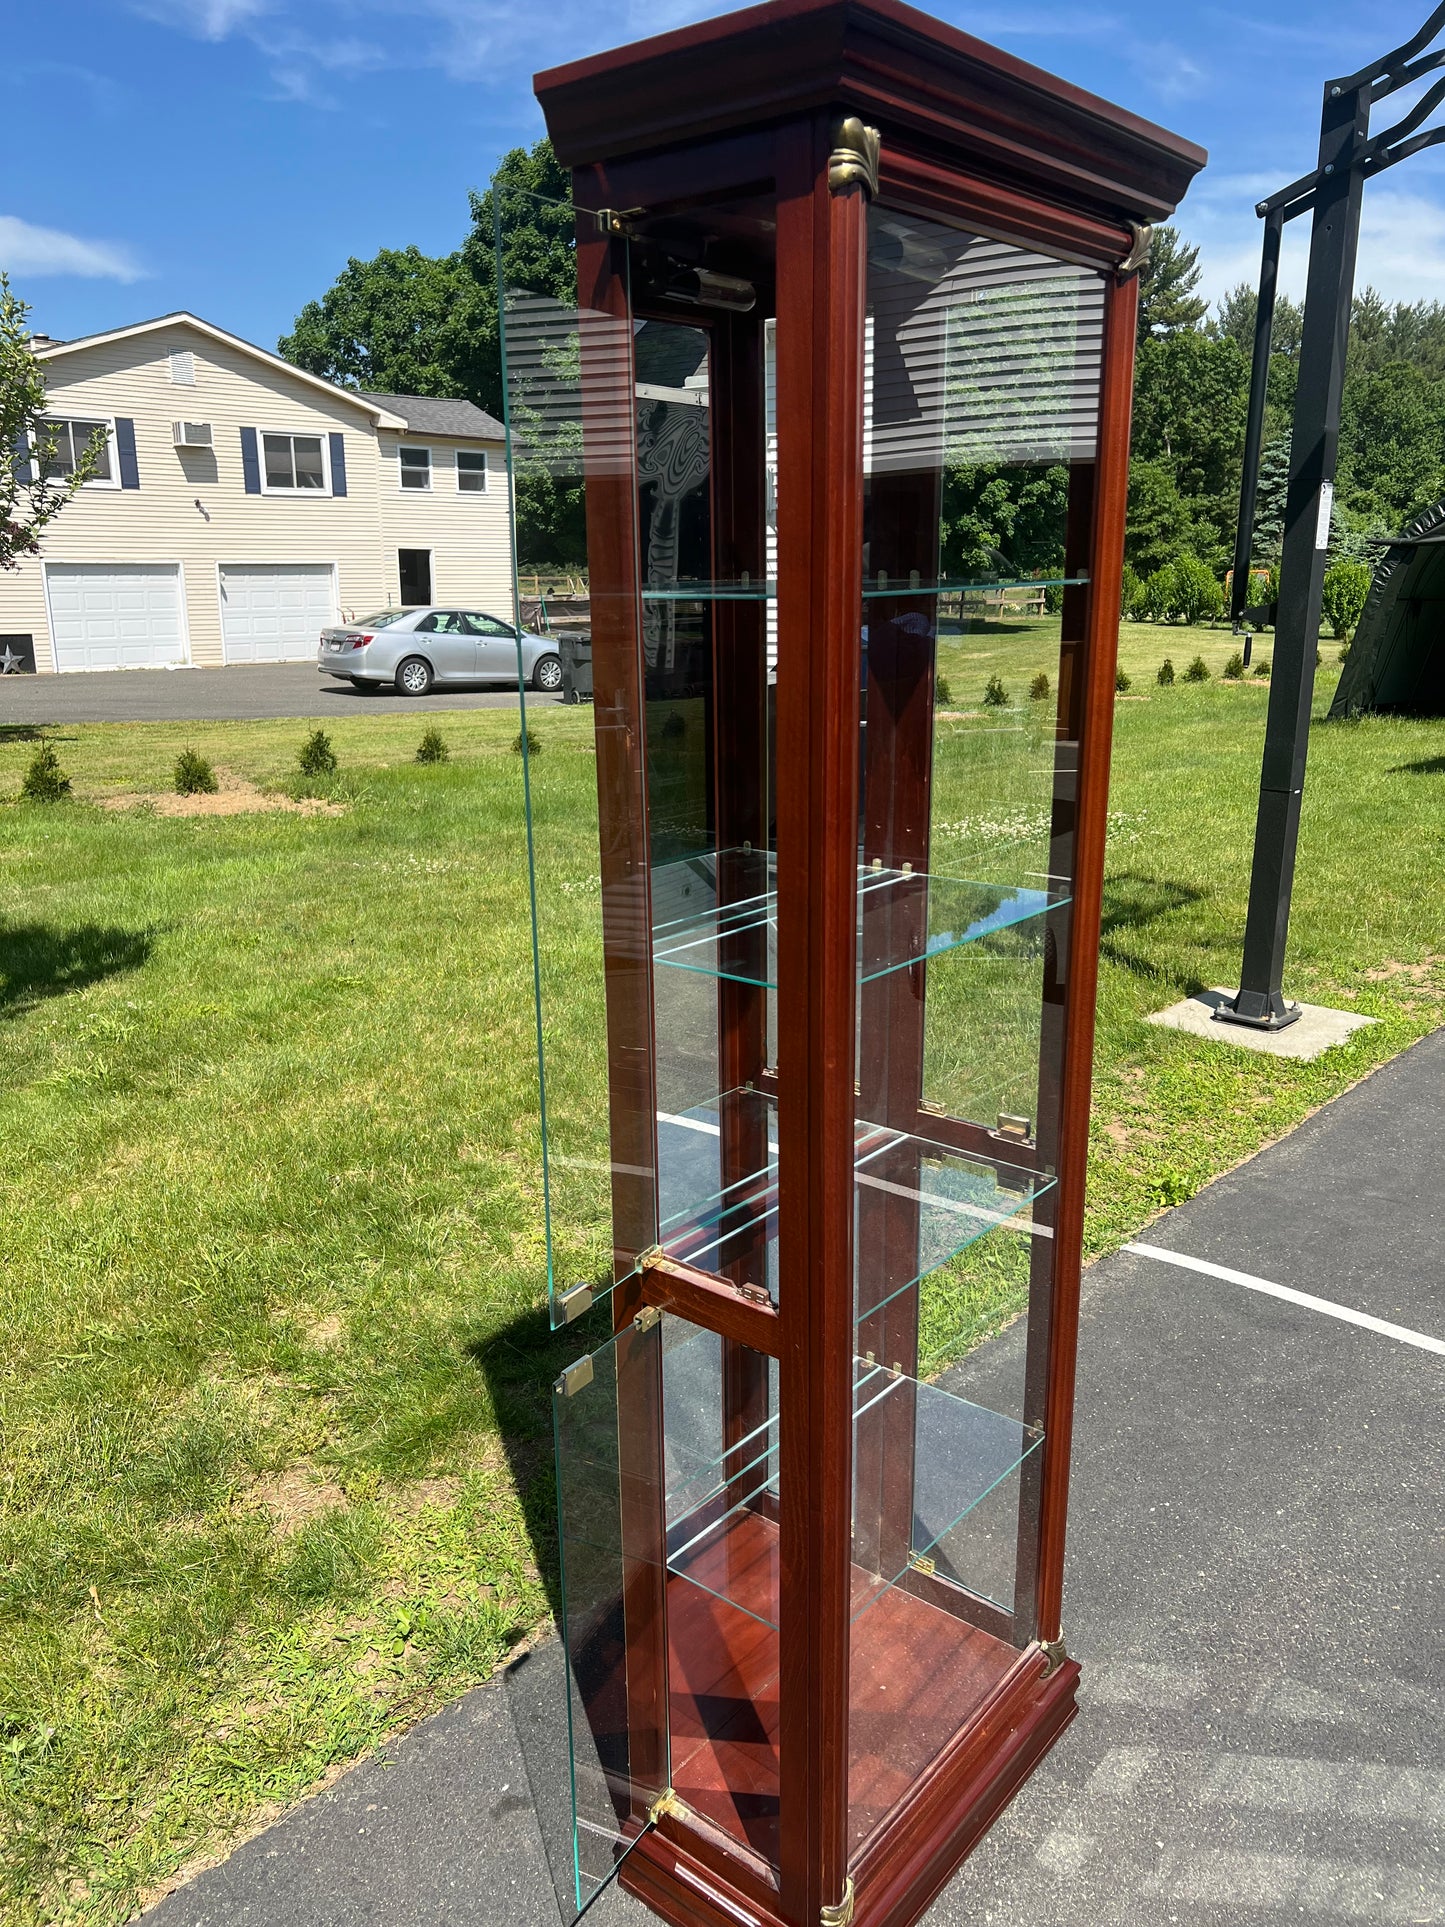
<point x="1254" y="426"/>
<point x="1315" y="443"/>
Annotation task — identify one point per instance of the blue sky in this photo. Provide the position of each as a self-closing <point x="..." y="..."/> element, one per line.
<point x="228" y="155"/>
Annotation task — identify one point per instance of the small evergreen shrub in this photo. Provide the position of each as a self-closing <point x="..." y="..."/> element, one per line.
<point x="1261" y="669"/>
<point x="45" y="781"/>
<point x="1054" y="599"/>
<point x="433" y="748"/>
<point x="1131" y="597"/>
<point x="1039" y="688"/>
<point x="533" y="743"/>
<point x="942" y="694"/>
<point x="1233" y="670"/>
<point x="193" y="775"/>
<point x="1156" y="597"/>
<point x="995" y="696"/>
<point x="1122" y="680"/>
<point x="1197" y="597"/>
<point x="1166" y="673"/>
<point x="1198" y="671"/>
<point x="1344" y="652"/>
<point x="1346" y="586"/>
<point x="317" y="757"/>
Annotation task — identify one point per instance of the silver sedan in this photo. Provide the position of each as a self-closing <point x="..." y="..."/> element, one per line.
<point x="410" y="650"/>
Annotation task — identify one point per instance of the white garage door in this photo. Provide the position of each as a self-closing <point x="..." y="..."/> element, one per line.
<point x="115" y="615"/>
<point x="275" y="611"/>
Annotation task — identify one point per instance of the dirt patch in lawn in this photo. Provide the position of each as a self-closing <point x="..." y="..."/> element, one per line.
<point x="234" y="797"/>
<point x="292" y="1497"/>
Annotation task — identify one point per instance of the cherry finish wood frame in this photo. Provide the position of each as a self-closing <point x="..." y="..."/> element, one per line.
<point x="744" y="113"/>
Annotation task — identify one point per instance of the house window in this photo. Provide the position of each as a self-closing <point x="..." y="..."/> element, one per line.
<point x="471" y="470"/>
<point x="294" y="462"/>
<point x="416" y="468"/>
<point x="62" y="443"/>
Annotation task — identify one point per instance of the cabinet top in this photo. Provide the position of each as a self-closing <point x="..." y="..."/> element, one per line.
<point x="940" y="91"/>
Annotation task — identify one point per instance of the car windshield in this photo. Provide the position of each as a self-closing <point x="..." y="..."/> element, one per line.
<point x="380" y="620"/>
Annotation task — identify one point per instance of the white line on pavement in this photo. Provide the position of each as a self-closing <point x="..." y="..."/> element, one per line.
<point x="1331" y="1310"/>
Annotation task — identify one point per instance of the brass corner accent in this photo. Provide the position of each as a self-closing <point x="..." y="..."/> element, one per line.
<point x="842" y="1914"/>
<point x="649" y="1257"/>
<point x="575" y="1379"/>
<point x="854" y="159"/>
<point x="664" y="1804"/>
<point x="920" y="1562"/>
<point x="1138" y="254"/>
<point x="573" y="1303"/>
<point x="1053" y="1651"/>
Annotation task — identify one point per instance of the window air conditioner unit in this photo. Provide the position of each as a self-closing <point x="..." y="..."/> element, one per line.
<point x="191" y="434"/>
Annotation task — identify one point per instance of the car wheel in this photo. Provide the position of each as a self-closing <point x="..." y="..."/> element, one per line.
<point x="414" y="677"/>
<point x="547" y="673"/>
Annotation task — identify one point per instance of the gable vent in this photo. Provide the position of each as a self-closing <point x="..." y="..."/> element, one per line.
<point x="183" y="368"/>
<point x="191" y="434"/>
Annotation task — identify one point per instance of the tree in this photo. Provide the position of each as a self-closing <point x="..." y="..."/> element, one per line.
<point x="1269" y="501"/>
<point x="1392" y="442"/>
<point x="1158" y="525"/>
<point x="32" y="493"/>
<point x="1166" y="286"/>
<point x="1346" y="586"/>
<point x="402" y="323"/>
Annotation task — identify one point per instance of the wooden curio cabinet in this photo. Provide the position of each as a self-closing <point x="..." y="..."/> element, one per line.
<point x="830" y="354"/>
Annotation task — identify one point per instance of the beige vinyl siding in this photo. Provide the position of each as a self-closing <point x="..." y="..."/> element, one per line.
<point x="466" y="532"/>
<point x="191" y="507"/>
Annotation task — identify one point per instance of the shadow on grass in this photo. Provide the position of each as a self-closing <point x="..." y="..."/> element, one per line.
<point x="21" y="732"/>
<point x="38" y="962"/>
<point x="1133" y="903"/>
<point x="1428" y="766"/>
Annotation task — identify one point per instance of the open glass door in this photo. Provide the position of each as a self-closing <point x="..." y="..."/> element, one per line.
<point x="596" y="1779"/>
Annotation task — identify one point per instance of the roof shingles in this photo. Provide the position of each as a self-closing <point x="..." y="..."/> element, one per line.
<point x="431" y="415"/>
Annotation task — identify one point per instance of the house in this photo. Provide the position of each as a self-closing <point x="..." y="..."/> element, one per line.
<point x="242" y="505"/>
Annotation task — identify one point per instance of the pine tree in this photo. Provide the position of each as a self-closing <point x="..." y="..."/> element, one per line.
<point x="1167" y="300"/>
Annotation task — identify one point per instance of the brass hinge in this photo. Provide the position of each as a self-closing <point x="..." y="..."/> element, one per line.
<point x="1011" y="1125"/>
<point x="919" y="1562"/>
<point x="649" y="1316"/>
<point x="1053" y="1651"/>
<point x="664" y="1804"/>
<point x="649" y="1257"/>
<point x="616" y="221"/>
<point x="931" y="1107"/>
<point x="842" y="1914"/>
<point x="575" y="1379"/>
<point x="755" y="1294"/>
<point x="573" y="1303"/>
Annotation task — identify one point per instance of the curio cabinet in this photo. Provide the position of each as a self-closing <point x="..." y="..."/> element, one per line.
<point x="825" y="369"/>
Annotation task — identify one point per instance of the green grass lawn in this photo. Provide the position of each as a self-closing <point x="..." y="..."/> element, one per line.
<point x="274" y="1413"/>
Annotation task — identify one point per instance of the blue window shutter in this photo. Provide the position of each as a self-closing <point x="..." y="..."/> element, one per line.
<point x="338" y="465"/>
<point x="125" y="450"/>
<point x="24" y="470"/>
<point x="250" y="461"/>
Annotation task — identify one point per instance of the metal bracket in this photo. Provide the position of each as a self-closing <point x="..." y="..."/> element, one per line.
<point x="574" y="1379"/>
<point x="619" y="223"/>
<point x="755" y="1294"/>
<point x="573" y="1303"/>
<point x="649" y="1316"/>
<point x="1138" y="254"/>
<point x="854" y="159"/>
<point x="842" y="1914"/>
<point x="919" y="1562"/>
<point x="649" y="1257"/>
<point x="1053" y="1651"/>
<point x="1011" y="1125"/>
<point x="664" y="1804"/>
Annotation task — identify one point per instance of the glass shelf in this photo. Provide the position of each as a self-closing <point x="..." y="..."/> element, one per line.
<point x="882" y="586"/>
<point x="959" y="1452"/>
<point x="740" y="591"/>
<point x="959" y="1198"/>
<point x="904" y="917"/>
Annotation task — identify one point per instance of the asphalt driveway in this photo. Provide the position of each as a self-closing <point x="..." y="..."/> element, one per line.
<point x="1254" y="1590"/>
<point x="240" y="693"/>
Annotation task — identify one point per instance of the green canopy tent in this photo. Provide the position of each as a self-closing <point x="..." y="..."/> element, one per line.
<point x="1397" y="657"/>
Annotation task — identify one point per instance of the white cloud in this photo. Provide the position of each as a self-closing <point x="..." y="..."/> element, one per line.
<point x="207" y="19"/>
<point x="1402" y="245"/>
<point x="25" y="249"/>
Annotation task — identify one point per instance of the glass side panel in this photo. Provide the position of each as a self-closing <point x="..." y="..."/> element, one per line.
<point x="980" y="422"/>
<point x="599" y="1184"/>
<point x="611" y="1473"/>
